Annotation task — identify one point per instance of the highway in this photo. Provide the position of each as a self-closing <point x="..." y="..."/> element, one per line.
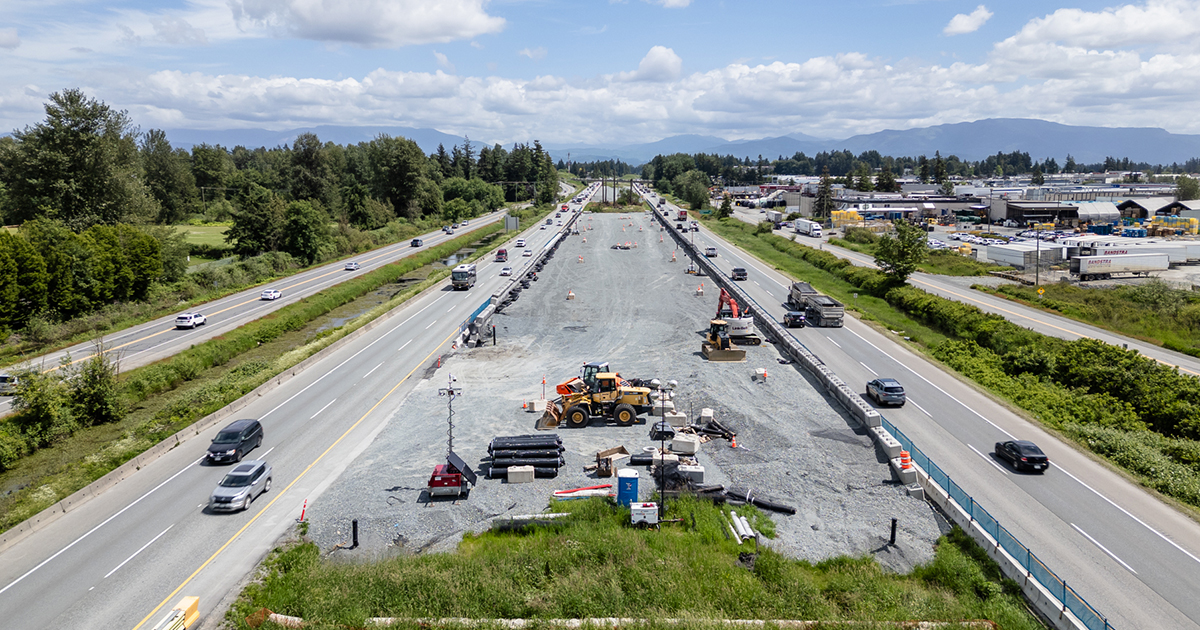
<point x="1131" y="556"/>
<point x="122" y="559"/>
<point x="1041" y="321"/>
<point x="157" y="339"/>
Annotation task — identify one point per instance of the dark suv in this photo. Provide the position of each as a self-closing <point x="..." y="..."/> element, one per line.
<point x="886" y="391"/>
<point x="234" y="441"/>
<point x="738" y="273"/>
<point x="1023" y="454"/>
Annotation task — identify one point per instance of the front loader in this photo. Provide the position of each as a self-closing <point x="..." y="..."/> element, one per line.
<point x="609" y="398"/>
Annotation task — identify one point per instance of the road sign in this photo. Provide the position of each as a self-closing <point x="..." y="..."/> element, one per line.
<point x="1041" y="291"/>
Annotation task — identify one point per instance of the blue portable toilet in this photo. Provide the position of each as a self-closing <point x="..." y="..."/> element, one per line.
<point x="627" y="486"/>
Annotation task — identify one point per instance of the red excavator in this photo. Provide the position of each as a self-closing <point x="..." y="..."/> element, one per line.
<point x="741" y="324"/>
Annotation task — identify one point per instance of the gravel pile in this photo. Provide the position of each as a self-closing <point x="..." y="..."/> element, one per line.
<point x="637" y="310"/>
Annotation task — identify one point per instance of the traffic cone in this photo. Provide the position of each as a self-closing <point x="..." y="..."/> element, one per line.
<point x="570" y="294"/>
<point x="733" y="442"/>
<point x="302" y="510"/>
<point x="581" y="258"/>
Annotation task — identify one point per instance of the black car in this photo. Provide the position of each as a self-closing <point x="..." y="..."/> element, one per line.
<point x="738" y="273"/>
<point x="234" y="441"/>
<point x="1023" y="454"/>
<point x="794" y="319"/>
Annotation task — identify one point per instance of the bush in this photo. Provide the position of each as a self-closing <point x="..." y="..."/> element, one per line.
<point x="862" y="236"/>
<point x="12" y="446"/>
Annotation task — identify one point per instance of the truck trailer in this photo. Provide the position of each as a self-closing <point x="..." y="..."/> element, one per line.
<point x="810" y="228"/>
<point x="1103" y="267"/>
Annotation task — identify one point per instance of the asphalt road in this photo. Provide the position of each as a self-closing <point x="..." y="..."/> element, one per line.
<point x="1134" y="558"/>
<point x="1038" y="320"/>
<point x="125" y="557"/>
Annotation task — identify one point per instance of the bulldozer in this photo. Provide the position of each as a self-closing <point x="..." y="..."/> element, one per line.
<point x="741" y="324"/>
<point x="595" y="395"/>
<point x="718" y="346"/>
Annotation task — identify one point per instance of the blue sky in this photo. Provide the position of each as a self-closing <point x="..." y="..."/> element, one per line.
<point x="606" y="72"/>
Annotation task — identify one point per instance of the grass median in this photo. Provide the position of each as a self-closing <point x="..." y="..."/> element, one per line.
<point x="166" y="397"/>
<point x="594" y="565"/>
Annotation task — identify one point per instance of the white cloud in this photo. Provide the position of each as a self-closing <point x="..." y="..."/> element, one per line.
<point x="443" y="62"/>
<point x="9" y="38"/>
<point x="532" y="53"/>
<point x="370" y="23"/>
<point x="671" y="4"/>
<point x="968" y="22"/>
<point x="1154" y="22"/>
<point x="177" y="31"/>
<point x="660" y="64"/>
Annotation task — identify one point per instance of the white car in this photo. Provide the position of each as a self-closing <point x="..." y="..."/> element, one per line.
<point x="271" y="294"/>
<point x="520" y="242"/>
<point x="528" y="252"/>
<point x="543" y="226"/>
<point x="190" y="320"/>
<point x="559" y="222"/>
<point x="352" y="266"/>
<point x="507" y="271"/>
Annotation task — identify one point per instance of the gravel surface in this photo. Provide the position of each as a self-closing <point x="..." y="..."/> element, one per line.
<point x="637" y="310"/>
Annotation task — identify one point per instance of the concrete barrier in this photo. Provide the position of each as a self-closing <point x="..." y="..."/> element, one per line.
<point x="126" y="470"/>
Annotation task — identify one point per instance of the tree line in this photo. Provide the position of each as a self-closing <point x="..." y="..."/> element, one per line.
<point x="78" y="182"/>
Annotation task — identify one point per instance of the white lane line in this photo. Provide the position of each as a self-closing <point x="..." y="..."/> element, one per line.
<point x="271" y="449"/>
<point x="1103" y="548"/>
<point x="314" y="416"/>
<point x="920" y="407"/>
<point x="932" y="384"/>
<point x="404" y="346"/>
<point x="105" y="522"/>
<point x="987" y="459"/>
<point x="1123" y="510"/>
<point x="451" y="308"/>
<point x="372" y="370"/>
<point x="431" y="324"/>
<point x="868" y="368"/>
<point x="756" y="282"/>
<point x="152" y="542"/>
<point x="834" y="342"/>
<point x="338" y="366"/>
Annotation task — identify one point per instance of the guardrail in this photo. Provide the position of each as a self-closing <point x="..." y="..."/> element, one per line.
<point x="1049" y="593"/>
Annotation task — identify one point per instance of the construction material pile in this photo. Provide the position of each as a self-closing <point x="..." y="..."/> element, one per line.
<point x="542" y="452"/>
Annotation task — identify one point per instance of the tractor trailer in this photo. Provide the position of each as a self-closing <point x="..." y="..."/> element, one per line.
<point x="1103" y="267"/>
<point x="810" y="228"/>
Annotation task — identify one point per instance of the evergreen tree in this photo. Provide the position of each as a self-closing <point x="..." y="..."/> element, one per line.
<point x="886" y="181"/>
<point x="823" y="206"/>
<point x="923" y="169"/>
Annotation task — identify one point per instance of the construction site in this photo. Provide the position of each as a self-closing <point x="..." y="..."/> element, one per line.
<point x="619" y="292"/>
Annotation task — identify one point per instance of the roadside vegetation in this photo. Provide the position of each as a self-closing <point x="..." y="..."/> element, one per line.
<point x="595" y="565"/>
<point x="1140" y="415"/>
<point x="59" y="442"/>
<point x="1154" y="312"/>
<point x="937" y="261"/>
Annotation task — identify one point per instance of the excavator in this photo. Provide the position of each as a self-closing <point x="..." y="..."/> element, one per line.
<point x="741" y="324"/>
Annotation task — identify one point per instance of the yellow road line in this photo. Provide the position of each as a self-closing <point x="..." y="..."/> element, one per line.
<point x="289" y="486"/>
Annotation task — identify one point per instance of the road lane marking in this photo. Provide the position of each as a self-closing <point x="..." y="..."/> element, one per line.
<point x="1127" y="513"/>
<point x="931" y="383"/>
<point x="263" y="456"/>
<point x="1103" y="548"/>
<point x="987" y="459"/>
<point x="102" y="524"/>
<point x="920" y="407"/>
<point x="283" y="492"/>
<point x="868" y="368"/>
<point x="451" y="308"/>
<point x="834" y="342"/>
<point x="431" y="324"/>
<point x="404" y="346"/>
<point x="138" y="551"/>
<point x="372" y="370"/>
<point x="314" y="416"/>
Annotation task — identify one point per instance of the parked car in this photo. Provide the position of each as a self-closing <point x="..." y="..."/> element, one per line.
<point x="738" y="273"/>
<point x="234" y="441"/>
<point x="794" y="319"/>
<point x="1023" y="454"/>
<point x="886" y="391"/>
<point x="352" y="266"/>
<point x="190" y="320"/>
<point x="240" y="486"/>
<point x="271" y="294"/>
<point x="416" y="242"/>
<point x="506" y="271"/>
<point x="8" y="384"/>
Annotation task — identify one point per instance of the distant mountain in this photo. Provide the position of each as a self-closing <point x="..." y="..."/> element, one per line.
<point x="427" y="139"/>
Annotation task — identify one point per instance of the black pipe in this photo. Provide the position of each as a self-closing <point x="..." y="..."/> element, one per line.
<point x="553" y="452"/>
<point x="354" y="529"/>
<point x="505" y="462"/>
<point x="893" y="540"/>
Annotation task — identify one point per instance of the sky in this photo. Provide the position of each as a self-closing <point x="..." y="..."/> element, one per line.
<point x="606" y="72"/>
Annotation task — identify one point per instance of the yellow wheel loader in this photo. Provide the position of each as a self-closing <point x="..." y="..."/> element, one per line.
<point x="608" y="397"/>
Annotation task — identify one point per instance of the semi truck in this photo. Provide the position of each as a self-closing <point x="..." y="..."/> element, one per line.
<point x="681" y="215"/>
<point x="774" y="216"/>
<point x="819" y="310"/>
<point x="810" y="228"/>
<point x="1103" y="267"/>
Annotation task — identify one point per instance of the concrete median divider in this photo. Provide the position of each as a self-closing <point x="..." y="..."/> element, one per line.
<point x="126" y="470"/>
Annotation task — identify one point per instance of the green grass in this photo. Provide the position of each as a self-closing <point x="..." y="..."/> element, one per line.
<point x="870" y="308"/>
<point x="211" y="235"/>
<point x="595" y="565"/>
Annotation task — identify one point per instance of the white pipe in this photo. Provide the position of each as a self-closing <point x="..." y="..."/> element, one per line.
<point x="736" y="536"/>
<point x="737" y="524"/>
<point x="746" y="526"/>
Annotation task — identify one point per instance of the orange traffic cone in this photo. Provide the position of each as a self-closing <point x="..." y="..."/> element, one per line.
<point x="905" y="460"/>
<point x="524" y="405"/>
<point x="733" y="442"/>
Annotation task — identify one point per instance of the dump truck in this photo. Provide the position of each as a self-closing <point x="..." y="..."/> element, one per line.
<point x="797" y="293"/>
<point x="718" y="346"/>
<point x="610" y="398"/>
<point x="822" y="310"/>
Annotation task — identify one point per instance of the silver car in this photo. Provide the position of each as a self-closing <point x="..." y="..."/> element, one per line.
<point x="886" y="391"/>
<point x="241" y="486"/>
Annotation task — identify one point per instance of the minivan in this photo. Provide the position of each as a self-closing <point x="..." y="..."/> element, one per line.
<point x="234" y="441"/>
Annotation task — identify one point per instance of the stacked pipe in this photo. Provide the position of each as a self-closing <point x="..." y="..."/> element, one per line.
<point x="543" y="452"/>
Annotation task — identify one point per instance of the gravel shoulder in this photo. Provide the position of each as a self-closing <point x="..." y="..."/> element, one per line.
<point x="639" y="311"/>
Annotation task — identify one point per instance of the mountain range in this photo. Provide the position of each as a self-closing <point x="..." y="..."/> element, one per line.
<point x="969" y="141"/>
